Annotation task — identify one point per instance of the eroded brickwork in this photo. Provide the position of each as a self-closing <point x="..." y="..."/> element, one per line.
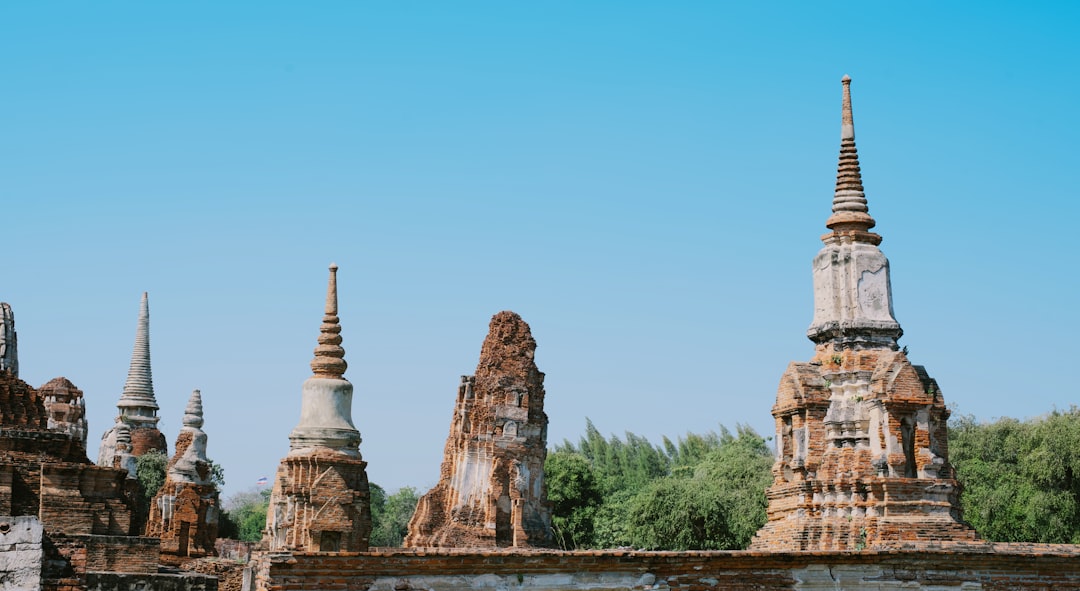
<point x="861" y="434"/>
<point x="65" y="408"/>
<point x="491" y="490"/>
<point x="184" y="514"/>
<point x="945" y="568"/>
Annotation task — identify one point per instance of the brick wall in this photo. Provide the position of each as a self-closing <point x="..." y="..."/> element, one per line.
<point x="960" y="566"/>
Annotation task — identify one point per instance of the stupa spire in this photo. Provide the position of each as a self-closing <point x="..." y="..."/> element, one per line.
<point x="329" y="361"/>
<point x="139" y="387"/>
<point x="850" y="218"/>
<point x="193" y="413"/>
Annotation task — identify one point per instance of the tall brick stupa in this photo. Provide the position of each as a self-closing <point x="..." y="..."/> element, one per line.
<point x="862" y="453"/>
<point x="138" y="407"/>
<point x="491" y="491"/>
<point x="320" y="501"/>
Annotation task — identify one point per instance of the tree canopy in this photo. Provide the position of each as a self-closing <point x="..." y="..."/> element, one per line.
<point x="699" y="492"/>
<point x="1021" y="479"/>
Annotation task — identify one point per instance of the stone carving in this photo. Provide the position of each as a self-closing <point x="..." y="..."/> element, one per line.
<point x="185" y="512"/>
<point x="320" y="500"/>
<point x="138" y="407"/>
<point x="861" y="433"/>
<point x="9" y="341"/>
<point x="492" y="493"/>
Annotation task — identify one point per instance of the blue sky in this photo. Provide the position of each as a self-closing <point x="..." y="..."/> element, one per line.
<point x="645" y="183"/>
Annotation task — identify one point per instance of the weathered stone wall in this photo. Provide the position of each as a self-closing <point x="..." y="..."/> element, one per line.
<point x="148" y="581"/>
<point x="229" y="573"/>
<point x="21" y="553"/>
<point x="21" y="407"/>
<point x="962" y="567"/>
<point x="85" y="499"/>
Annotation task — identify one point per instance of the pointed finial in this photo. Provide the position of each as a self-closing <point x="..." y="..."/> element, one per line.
<point x="139" y="388"/>
<point x="847" y="124"/>
<point x="193" y="413"/>
<point x="850" y="218"/>
<point x="329" y="359"/>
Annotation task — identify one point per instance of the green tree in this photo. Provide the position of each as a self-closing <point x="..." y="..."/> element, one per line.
<point x="247" y="510"/>
<point x="390" y="523"/>
<point x="1020" y="478"/>
<point x="718" y="506"/>
<point x="575" y="497"/>
<point x="150" y="472"/>
<point x="705" y="491"/>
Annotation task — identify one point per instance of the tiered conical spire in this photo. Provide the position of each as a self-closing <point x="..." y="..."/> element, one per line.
<point x="329" y="361"/>
<point x="139" y="388"/>
<point x="851" y="217"/>
<point x="193" y="413"/>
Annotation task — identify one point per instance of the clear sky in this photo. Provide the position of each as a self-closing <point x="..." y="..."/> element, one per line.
<point x="644" y="182"/>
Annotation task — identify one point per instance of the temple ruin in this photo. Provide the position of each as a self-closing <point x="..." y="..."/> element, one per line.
<point x="862" y="454"/>
<point x="137" y="405"/>
<point x="491" y="491"/>
<point x="66" y="524"/>
<point x="184" y="514"/>
<point x="320" y="500"/>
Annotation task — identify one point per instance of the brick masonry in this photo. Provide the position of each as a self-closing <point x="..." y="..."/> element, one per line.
<point x="956" y="567"/>
<point x="491" y="490"/>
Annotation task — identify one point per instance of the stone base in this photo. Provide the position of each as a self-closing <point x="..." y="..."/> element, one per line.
<point x="320" y="502"/>
<point x="953" y="567"/>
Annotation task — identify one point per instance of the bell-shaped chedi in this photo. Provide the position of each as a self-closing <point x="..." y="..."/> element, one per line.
<point x="320" y="500"/>
<point x="862" y="456"/>
<point x="491" y="492"/>
<point x="138" y="407"/>
<point x="184" y="514"/>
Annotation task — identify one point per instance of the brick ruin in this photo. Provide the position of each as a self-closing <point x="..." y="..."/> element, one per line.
<point x="320" y="500"/>
<point x="864" y="497"/>
<point x="491" y="490"/>
<point x="184" y="514"/>
<point x="137" y="405"/>
<point x="862" y="453"/>
<point x="66" y="524"/>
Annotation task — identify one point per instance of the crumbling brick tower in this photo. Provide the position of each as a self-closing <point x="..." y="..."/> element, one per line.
<point x="862" y="456"/>
<point x="491" y="490"/>
<point x="185" y="511"/>
<point x="321" y="501"/>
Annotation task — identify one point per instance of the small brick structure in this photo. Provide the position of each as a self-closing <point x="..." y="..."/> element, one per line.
<point x="184" y="514"/>
<point x="65" y="408"/>
<point x="491" y="490"/>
